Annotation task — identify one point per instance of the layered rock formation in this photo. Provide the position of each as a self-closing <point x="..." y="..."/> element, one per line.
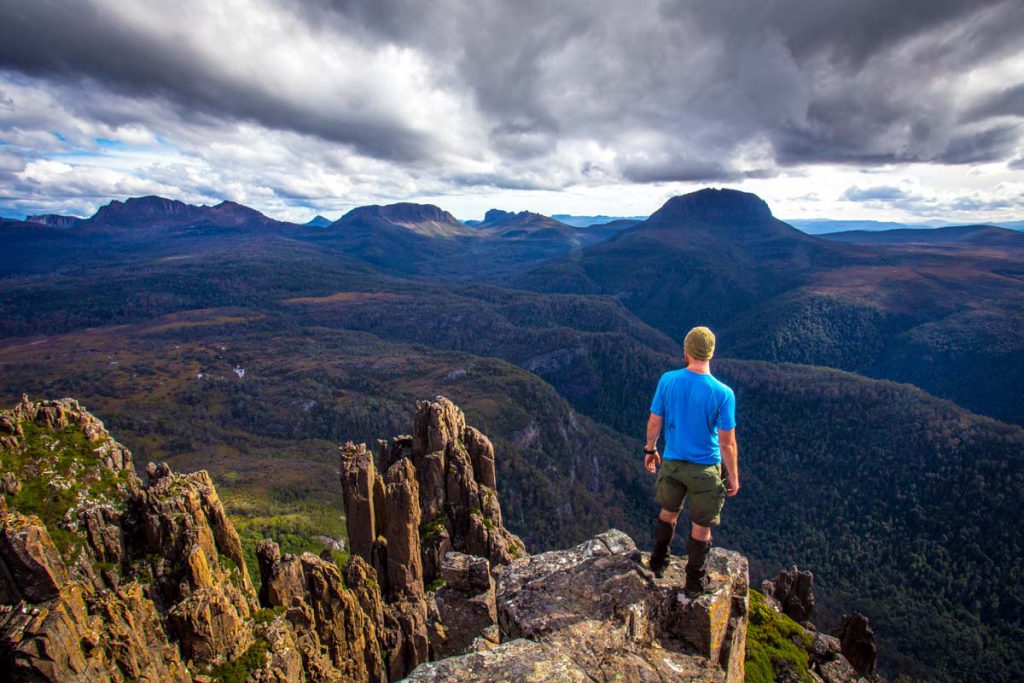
<point x="334" y="622"/>
<point x="84" y="587"/>
<point x="104" y="577"/>
<point x="435" y="493"/>
<point x="596" y="613"/>
<point x="449" y="467"/>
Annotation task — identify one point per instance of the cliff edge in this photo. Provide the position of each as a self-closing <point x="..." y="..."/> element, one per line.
<point x="106" y="577"/>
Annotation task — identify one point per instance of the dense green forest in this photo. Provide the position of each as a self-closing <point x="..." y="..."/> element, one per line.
<point x="853" y="478"/>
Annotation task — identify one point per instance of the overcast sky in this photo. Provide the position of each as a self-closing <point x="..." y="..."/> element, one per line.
<point x="846" y="109"/>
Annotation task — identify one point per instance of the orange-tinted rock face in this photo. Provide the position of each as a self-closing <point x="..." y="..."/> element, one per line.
<point x="147" y="581"/>
<point x="435" y="494"/>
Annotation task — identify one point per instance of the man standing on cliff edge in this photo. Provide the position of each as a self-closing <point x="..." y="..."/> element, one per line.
<point x="698" y="414"/>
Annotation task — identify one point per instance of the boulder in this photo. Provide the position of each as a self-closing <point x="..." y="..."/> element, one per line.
<point x="30" y="566"/>
<point x="466" y="606"/>
<point x="467" y="573"/>
<point x="595" y="613"/>
<point x="9" y="484"/>
<point x="857" y="641"/>
<point x="837" y="670"/>
<point x="794" y="591"/>
<point x="517" y="660"/>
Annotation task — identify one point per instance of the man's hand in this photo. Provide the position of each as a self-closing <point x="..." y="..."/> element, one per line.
<point x="652" y="461"/>
<point x="732" y="484"/>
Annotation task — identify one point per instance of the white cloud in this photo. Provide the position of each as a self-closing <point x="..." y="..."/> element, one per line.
<point x="589" y="106"/>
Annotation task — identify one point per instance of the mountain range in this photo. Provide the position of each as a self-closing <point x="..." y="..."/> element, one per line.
<point x="824" y="226"/>
<point x="255" y="345"/>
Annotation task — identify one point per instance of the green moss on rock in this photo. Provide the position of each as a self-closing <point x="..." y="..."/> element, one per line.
<point x="434" y="527"/>
<point x="775" y="643"/>
<point x="239" y="670"/>
<point x="58" y="469"/>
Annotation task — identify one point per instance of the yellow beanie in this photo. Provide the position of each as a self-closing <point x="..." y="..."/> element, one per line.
<point x="700" y="343"/>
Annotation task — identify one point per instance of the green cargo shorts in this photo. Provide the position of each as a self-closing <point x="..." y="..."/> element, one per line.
<point x="702" y="484"/>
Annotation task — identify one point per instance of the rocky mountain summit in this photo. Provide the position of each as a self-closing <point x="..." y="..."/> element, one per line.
<point x="106" y="577"/>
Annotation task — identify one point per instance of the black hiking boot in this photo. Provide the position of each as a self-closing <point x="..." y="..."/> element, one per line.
<point x="697" y="584"/>
<point x="663" y="532"/>
<point x="697" y="581"/>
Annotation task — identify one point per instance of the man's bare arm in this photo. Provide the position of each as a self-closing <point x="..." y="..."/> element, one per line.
<point x="654" y="424"/>
<point x="730" y="459"/>
<point x="654" y="431"/>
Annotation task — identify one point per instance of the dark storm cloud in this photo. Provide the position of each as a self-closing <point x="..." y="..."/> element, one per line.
<point x="852" y="33"/>
<point x="868" y="82"/>
<point x="1008" y="102"/>
<point x="994" y="144"/>
<point x="653" y="90"/>
<point x="72" y="40"/>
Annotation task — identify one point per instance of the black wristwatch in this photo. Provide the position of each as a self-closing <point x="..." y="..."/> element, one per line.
<point x="647" y="452"/>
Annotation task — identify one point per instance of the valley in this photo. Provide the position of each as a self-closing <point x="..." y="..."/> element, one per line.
<point x="216" y="339"/>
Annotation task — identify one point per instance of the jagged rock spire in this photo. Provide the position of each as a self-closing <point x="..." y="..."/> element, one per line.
<point x="453" y="467"/>
<point x="434" y="494"/>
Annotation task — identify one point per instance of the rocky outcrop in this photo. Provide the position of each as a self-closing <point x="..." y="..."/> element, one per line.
<point x="857" y="641"/>
<point x="466" y="608"/>
<point x="74" y="609"/>
<point x="793" y="590"/>
<point x="113" y="579"/>
<point x="433" y="494"/>
<point x="120" y="579"/>
<point x="200" y="572"/>
<point x="455" y="467"/>
<point x="595" y="613"/>
<point x="337" y="629"/>
<point x="31" y="569"/>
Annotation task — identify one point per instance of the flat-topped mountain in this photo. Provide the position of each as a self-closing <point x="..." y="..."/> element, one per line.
<point x="144" y="211"/>
<point x="711" y="204"/>
<point x="151" y="213"/>
<point x="423" y="219"/>
<point x="711" y="215"/>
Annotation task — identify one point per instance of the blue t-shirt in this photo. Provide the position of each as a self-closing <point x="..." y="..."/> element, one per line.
<point x="695" y="406"/>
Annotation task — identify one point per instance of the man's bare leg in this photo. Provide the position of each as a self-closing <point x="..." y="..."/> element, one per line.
<point x="671" y="517"/>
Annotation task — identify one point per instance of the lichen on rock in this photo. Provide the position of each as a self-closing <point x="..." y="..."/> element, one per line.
<point x="109" y="578"/>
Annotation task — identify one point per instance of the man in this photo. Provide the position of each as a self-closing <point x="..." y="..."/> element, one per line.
<point x="698" y="414"/>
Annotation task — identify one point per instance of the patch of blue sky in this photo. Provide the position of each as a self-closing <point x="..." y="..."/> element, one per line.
<point x="116" y="154"/>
